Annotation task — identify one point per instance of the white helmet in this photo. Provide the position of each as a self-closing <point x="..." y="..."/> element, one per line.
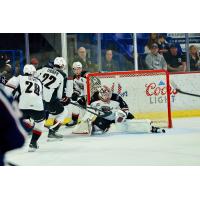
<point x="60" y="61"/>
<point x="29" y="69"/>
<point x="77" y="65"/>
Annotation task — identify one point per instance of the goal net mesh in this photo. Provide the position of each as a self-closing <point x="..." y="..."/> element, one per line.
<point x="147" y="93"/>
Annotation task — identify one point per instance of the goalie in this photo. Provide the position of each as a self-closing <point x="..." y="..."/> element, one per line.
<point x="111" y="113"/>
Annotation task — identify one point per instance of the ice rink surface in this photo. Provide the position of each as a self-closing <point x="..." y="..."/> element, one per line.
<point x="178" y="146"/>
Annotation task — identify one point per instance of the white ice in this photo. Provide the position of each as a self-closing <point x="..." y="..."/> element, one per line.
<point x="178" y="146"/>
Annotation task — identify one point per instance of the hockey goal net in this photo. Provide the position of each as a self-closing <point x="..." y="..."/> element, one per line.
<point x="146" y="92"/>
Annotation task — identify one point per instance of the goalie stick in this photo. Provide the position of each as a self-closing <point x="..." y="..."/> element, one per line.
<point x="95" y="109"/>
<point x="183" y="92"/>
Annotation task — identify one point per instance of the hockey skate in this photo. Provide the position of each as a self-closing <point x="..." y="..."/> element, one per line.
<point x="72" y="123"/>
<point x="33" y="147"/>
<point x="52" y="136"/>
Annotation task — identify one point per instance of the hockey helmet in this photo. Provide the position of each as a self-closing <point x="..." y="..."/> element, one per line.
<point x="59" y="62"/>
<point x="77" y="65"/>
<point x="29" y="69"/>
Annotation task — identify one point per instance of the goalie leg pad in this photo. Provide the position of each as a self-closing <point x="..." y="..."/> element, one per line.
<point x="85" y="127"/>
<point x="88" y="115"/>
<point x="131" y="126"/>
<point x="139" y="126"/>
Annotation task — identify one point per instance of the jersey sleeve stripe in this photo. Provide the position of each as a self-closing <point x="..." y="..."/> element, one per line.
<point x="10" y="86"/>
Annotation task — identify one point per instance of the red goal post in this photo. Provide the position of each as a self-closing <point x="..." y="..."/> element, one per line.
<point x="147" y="92"/>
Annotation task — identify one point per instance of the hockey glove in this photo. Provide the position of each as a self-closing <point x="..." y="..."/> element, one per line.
<point x="75" y="96"/>
<point x="82" y="101"/>
<point x="120" y="116"/>
<point x="65" y="101"/>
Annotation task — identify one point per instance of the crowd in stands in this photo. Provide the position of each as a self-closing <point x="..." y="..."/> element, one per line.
<point x="158" y="54"/>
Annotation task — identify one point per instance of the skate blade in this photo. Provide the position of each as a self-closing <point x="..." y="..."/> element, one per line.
<point x="54" y="139"/>
<point x="32" y="149"/>
<point x="81" y="133"/>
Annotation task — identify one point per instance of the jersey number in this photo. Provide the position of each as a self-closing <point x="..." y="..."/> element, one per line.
<point x="52" y="79"/>
<point x="32" y="88"/>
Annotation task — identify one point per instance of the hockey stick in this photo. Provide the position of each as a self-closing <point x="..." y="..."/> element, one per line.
<point x="182" y="92"/>
<point x="95" y="109"/>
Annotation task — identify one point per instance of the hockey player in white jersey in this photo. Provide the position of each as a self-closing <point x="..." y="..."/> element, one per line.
<point x="78" y="95"/>
<point x="54" y="86"/>
<point x="30" y="99"/>
<point x="112" y="114"/>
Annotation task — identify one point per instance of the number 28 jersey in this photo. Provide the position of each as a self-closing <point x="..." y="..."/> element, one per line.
<point x="54" y="83"/>
<point x="30" y="91"/>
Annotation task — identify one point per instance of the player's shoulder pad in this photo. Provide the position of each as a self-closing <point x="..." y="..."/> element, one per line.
<point x="62" y="73"/>
<point x="38" y="80"/>
<point x="15" y="79"/>
<point x="115" y="97"/>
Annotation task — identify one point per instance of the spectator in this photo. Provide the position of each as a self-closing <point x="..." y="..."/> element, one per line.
<point x="154" y="60"/>
<point x="152" y="39"/>
<point x="35" y="62"/>
<point x="175" y="62"/>
<point x="162" y="44"/>
<point x="86" y="63"/>
<point x="108" y="63"/>
<point x="194" y="58"/>
<point x="12" y="133"/>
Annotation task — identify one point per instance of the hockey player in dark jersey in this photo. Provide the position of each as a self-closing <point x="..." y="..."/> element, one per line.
<point x="78" y="95"/>
<point x="12" y="133"/>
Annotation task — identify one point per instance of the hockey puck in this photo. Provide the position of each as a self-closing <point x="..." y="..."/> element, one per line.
<point x="163" y="130"/>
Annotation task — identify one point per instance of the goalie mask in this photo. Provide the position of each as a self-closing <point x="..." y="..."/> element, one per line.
<point x="105" y="93"/>
<point x="77" y="68"/>
<point x="29" y="69"/>
<point x="60" y="63"/>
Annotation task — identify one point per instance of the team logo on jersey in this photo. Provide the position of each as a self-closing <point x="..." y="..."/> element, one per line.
<point x="117" y="88"/>
<point x="157" y="92"/>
